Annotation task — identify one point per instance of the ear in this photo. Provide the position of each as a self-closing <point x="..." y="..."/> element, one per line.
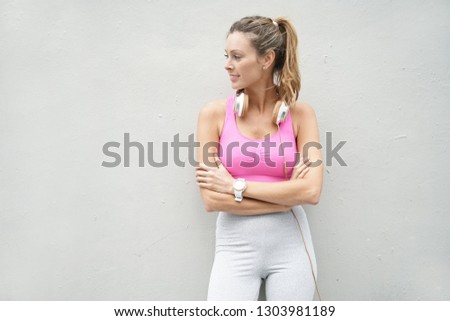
<point x="268" y="59"/>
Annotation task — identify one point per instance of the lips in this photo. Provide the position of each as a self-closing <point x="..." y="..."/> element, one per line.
<point x="233" y="77"/>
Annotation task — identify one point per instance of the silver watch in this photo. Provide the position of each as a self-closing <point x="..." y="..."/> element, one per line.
<point x="239" y="187"/>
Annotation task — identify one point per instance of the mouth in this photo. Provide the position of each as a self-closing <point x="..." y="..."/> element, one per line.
<point x="233" y="78"/>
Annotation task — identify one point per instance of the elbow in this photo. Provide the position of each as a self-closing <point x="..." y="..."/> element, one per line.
<point x="208" y="207"/>
<point x="315" y="196"/>
<point x="314" y="201"/>
<point x="310" y="197"/>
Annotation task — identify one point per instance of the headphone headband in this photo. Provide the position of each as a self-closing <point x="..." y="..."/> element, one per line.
<point x="240" y="106"/>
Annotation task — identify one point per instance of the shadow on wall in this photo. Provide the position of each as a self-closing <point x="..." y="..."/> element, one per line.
<point x="262" y="291"/>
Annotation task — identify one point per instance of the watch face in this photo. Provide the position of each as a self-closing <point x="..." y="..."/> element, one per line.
<point x="239" y="185"/>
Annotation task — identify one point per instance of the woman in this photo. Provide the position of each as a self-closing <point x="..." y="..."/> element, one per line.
<point x="249" y="148"/>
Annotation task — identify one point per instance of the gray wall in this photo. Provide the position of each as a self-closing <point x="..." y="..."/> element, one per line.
<point x="75" y="75"/>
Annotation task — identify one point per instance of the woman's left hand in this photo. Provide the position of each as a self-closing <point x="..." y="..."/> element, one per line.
<point x="215" y="178"/>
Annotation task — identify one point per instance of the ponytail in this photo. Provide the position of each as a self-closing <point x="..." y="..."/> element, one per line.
<point x="286" y="67"/>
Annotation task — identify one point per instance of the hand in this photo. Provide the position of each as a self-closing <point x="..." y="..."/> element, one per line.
<point x="215" y="178"/>
<point x="301" y="168"/>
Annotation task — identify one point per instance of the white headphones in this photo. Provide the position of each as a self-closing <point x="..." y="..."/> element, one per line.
<point x="280" y="110"/>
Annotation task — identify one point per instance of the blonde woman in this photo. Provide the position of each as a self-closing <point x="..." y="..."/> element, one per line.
<point x="259" y="161"/>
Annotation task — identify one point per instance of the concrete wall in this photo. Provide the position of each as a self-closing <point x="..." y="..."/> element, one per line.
<point x="75" y="75"/>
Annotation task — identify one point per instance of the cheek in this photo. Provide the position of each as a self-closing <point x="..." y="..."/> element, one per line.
<point x="250" y="72"/>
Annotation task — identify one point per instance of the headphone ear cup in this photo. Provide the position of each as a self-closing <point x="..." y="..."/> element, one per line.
<point x="279" y="112"/>
<point x="240" y="103"/>
<point x="245" y="106"/>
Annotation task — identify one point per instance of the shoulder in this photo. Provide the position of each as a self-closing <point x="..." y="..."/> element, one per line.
<point x="301" y="109"/>
<point x="212" y="115"/>
<point x="213" y="109"/>
<point x="301" y="112"/>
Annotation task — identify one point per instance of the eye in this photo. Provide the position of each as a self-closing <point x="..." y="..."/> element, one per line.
<point x="237" y="58"/>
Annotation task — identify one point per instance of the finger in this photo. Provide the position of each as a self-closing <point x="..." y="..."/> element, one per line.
<point x="300" y="169"/>
<point x="201" y="173"/>
<point x="205" y="185"/>
<point x="300" y="159"/>
<point x="201" y="179"/>
<point x="303" y="161"/>
<point x="202" y="166"/>
<point x="217" y="160"/>
<point x="302" y="174"/>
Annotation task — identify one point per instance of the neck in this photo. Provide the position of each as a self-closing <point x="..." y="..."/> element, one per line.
<point x="262" y="97"/>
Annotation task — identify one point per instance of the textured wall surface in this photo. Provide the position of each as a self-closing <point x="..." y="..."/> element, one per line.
<point x="75" y="75"/>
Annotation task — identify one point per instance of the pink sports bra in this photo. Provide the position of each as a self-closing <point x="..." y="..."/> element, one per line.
<point x="257" y="159"/>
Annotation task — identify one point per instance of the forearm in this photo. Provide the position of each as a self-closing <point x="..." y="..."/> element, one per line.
<point x="288" y="193"/>
<point x="215" y="201"/>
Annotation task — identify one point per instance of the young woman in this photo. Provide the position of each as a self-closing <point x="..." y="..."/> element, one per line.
<point x="259" y="160"/>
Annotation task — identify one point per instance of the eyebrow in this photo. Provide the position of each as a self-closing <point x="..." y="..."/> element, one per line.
<point x="235" y="50"/>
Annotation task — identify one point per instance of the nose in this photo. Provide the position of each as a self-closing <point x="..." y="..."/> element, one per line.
<point x="228" y="66"/>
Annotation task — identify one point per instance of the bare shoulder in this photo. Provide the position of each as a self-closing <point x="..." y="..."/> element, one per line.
<point x="301" y="112"/>
<point x="213" y="109"/>
<point x="214" y="113"/>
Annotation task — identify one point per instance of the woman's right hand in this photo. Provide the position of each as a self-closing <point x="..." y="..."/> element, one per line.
<point x="301" y="168"/>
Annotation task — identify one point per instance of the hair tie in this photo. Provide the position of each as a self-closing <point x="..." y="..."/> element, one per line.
<point x="275" y="23"/>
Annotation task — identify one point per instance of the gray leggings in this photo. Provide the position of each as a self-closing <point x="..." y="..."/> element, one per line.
<point x="267" y="246"/>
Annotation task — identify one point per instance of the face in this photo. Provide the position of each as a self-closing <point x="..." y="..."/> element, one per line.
<point x="243" y="64"/>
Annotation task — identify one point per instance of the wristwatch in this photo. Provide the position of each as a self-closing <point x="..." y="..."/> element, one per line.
<point x="239" y="187"/>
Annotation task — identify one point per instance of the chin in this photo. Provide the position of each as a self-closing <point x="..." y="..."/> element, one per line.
<point x="237" y="86"/>
<point x="234" y="87"/>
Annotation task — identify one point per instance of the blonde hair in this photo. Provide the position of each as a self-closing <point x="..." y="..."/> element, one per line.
<point x="264" y="35"/>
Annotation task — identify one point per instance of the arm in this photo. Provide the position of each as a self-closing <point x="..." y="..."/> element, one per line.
<point x="208" y="133"/>
<point x="295" y="191"/>
<point x="215" y="201"/>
